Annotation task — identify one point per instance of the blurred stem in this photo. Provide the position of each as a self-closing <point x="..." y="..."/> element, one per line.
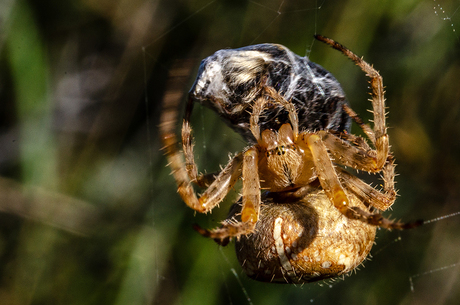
<point x="29" y="66"/>
<point x="205" y="277"/>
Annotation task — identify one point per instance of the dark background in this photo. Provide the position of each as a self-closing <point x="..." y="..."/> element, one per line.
<point x="89" y="212"/>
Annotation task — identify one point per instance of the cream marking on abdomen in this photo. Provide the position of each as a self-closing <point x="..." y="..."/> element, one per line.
<point x="280" y="250"/>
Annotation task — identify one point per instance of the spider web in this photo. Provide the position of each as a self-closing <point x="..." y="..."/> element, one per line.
<point x="400" y="39"/>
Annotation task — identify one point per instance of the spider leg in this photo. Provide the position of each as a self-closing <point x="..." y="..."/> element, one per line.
<point x="218" y="189"/>
<point x="257" y="108"/>
<point x="380" y="138"/>
<point x="360" y="156"/>
<point x="185" y="173"/>
<point x="171" y="104"/>
<point x="326" y="173"/>
<point x="334" y="190"/>
<point x="251" y="203"/>
<point x="365" y="192"/>
<point x="260" y="104"/>
<point x="366" y="128"/>
<point x="355" y="140"/>
<point x="270" y="91"/>
<point x="356" y="156"/>
<point x="202" y="180"/>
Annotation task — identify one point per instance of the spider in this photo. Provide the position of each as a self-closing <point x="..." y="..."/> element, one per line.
<point x="301" y="217"/>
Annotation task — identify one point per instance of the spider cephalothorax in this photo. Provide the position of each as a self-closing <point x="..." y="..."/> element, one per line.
<point x="302" y="217"/>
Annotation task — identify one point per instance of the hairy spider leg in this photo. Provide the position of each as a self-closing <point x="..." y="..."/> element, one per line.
<point x="185" y="173"/>
<point x="175" y="158"/>
<point x="202" y="180"/>
<point x="365" y="127"/>
<point x="326" y="173"/>
<point x="380" y="137"/>
<point x="335" y="192"/>
<point x="260" y="104"/>
<point x="251" y="203"/>
<point x="381" y="201"/>
<point x="382" y="159"/>
<point x="364" y="191"/>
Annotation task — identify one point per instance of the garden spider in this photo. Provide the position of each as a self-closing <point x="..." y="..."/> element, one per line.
<point x="295" y="169"/>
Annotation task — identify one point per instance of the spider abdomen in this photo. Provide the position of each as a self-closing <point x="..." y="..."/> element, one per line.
<point x="304" y="242"/>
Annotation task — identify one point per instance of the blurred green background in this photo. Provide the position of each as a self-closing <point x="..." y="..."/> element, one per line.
<point x="89" y="212"/>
